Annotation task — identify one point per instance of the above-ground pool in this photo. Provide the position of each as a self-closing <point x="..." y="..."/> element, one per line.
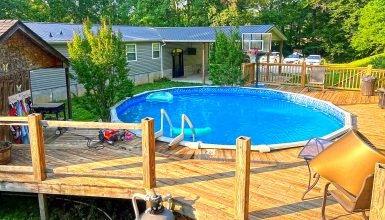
<point x="269" y="117"/>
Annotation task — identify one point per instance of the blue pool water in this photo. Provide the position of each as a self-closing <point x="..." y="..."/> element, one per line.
<point x="268" y="117"/>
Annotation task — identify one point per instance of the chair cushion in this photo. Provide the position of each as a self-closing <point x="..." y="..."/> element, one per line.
<point x="347" y="162"/>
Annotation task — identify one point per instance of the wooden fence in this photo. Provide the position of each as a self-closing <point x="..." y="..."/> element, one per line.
<point x="335" y="77"/>
<point x="35" y="124"/>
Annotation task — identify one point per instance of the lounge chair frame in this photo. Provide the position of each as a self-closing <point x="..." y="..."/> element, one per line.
<point x="351" y="203"/>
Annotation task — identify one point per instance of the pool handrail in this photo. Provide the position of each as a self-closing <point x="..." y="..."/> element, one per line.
<point x="163" y="114"/>
<point x="180" y="137"/>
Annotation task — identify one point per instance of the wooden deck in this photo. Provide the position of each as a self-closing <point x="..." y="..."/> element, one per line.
<point x="337" y="97"/>
<point x="201" y="181"/>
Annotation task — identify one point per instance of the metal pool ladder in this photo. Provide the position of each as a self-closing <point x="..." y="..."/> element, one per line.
<point x="180" y="137"/>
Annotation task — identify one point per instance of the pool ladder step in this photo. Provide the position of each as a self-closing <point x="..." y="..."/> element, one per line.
<point x="180" y="137"/>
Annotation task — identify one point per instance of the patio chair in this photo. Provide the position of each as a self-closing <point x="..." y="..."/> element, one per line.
<point x="311" y="149"/>
<point x="349" y="202"/>
<point x="317" y="77"/>
<point x="348" y="164"/>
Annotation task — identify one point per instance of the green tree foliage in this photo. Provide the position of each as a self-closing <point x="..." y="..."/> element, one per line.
<point x="99" y="60"/>
<point x="340" y="30"/>
<point x="370" y="34"/>
<point x="23" y="10"/>
<point x="378" y="62"/>
<point x="226" y="59"/>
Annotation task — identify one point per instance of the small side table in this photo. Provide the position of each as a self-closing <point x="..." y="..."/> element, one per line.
<point x="311" y="149"/>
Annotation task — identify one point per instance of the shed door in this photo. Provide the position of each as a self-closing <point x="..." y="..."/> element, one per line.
<point x="177" y="63"/>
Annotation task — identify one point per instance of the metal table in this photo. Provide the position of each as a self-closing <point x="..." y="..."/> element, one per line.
<point x="50" y="108"/>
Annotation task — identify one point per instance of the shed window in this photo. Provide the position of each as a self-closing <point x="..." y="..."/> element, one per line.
<point x="155" y="50"/>
<point x="131" y="52"/>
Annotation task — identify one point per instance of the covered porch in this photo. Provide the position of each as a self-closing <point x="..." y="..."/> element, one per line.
<point x="185" y="58"/>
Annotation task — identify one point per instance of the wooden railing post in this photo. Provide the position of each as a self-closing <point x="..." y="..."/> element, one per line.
<point x="148" y="153"/>
<point x="36" y="139"/>
<point x="377" y="209"/>
<point x="303" y="75"/>
<point x="242" y="178"/>
<point x="369" y="71"/>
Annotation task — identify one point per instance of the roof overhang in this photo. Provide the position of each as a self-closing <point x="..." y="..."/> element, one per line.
<point x="277" y="34"/>
<point x="35" y="38"/>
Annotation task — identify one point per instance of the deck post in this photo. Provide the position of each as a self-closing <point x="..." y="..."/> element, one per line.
<point x="37" y="146"/>
<point x="68" y="87"/>
<point x="148" y="153"/>
<point x="242" y="178"/>
<point x="43" y="206"/>
<point x="369" y="71"/>
<point x="204" y="64"/>
<point x="303" y="75"/>
<point x="280" y="57"/>
<point x="377" y="209"/>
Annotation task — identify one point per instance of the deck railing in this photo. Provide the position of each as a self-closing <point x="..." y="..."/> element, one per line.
<point x="35" y="124"/>
<point x="336" y="77"/>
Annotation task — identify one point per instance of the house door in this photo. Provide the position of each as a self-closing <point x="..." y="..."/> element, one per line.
<point x="177" y="63"/>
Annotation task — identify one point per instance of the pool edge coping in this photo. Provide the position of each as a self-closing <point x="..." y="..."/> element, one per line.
<point x="348" y="124"/>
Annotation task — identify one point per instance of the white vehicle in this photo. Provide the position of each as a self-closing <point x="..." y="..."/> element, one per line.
<point x="313" y="60"/>
<point x="274" y="58"/>
<point x="295" y="58"/>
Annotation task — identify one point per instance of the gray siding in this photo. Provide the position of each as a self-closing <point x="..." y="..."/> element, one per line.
<point x="144" y="63"/>
<point x="62" y="48"/>
<point x="48" y="85"/>
<point x="47" y="79"/>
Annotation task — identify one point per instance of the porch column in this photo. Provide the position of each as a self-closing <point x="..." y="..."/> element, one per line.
<point x="280" y="51"/>
<point x="204" y="64"/>
<point x="68" y="85"/>
<point x="280" y="57"/>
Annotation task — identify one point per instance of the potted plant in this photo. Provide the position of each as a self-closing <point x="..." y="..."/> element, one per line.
<point x="5" y="152"/>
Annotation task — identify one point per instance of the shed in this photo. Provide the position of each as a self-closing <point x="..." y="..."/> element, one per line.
<point x="21" y="50"/>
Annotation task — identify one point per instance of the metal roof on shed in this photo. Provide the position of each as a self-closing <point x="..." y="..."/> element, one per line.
<point x="60" y="32"/>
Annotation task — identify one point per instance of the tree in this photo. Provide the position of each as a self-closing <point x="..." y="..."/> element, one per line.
<point x="370" y="35"/>
<point x="99" y="60"/>
<point x="226" y="59"/>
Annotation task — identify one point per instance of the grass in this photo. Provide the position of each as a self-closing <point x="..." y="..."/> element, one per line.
<point x="13" y="207"/>
<point x="364" y="62"/>
<point x="79" y="113"/>
<point x="66" y="207"/>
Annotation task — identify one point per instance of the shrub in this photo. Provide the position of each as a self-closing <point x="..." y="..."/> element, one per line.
<point x="226" y="59"/>
<point x="378" y="62"/>
<point x="99" y="60"/>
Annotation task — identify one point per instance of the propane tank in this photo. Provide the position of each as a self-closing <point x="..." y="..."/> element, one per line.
<point x="156" y="211"/>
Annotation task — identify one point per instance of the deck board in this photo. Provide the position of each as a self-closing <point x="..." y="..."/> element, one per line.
<point x="200" y="180"/>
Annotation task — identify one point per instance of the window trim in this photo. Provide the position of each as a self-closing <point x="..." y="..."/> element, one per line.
<point x="152" y="49"/>
<point x="136" y="52"/>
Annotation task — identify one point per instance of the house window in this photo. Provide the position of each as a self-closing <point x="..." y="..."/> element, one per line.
<point x="131" y="52"/>
<point x="155" y="50"/>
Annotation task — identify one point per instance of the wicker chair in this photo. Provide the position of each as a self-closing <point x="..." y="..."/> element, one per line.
<point x="349" y="165"/>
